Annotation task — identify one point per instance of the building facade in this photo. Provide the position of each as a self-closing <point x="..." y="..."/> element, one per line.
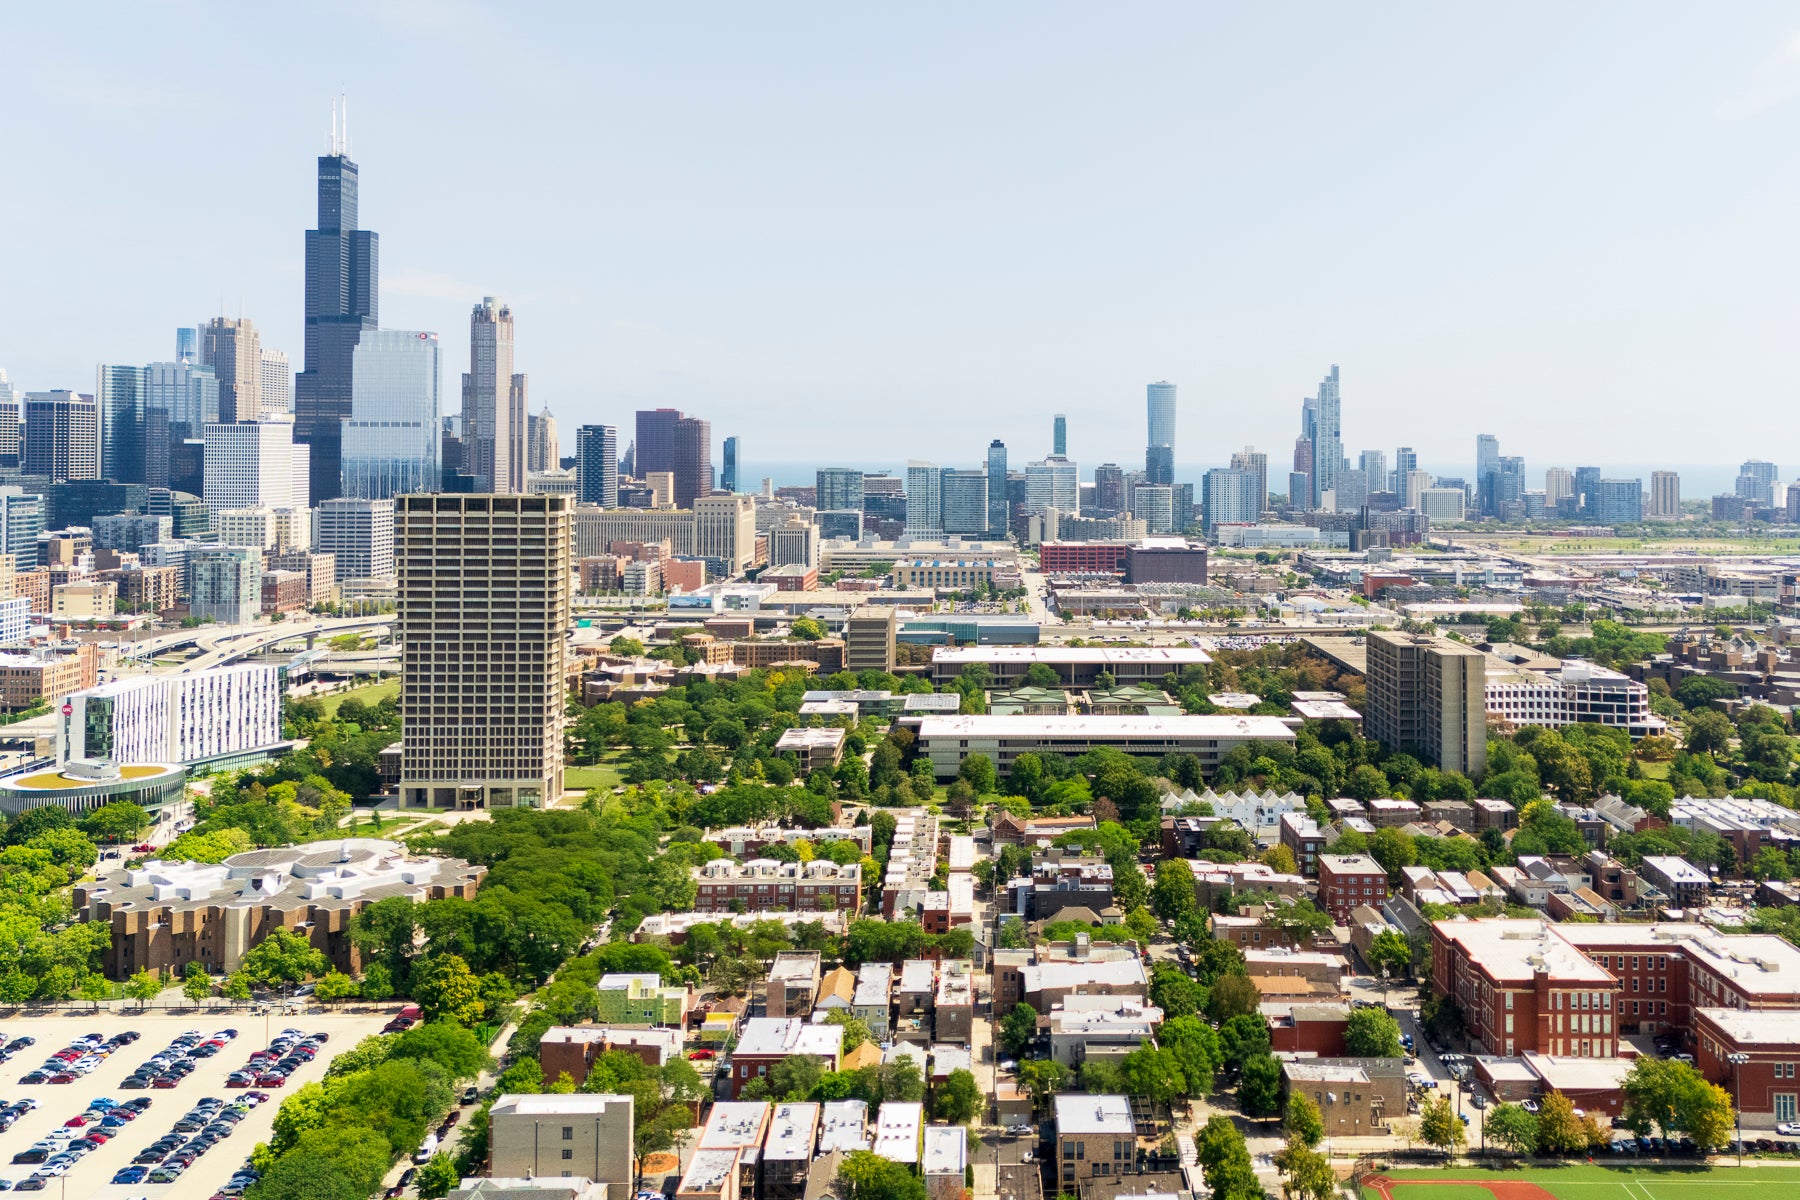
<point x="390" y="443"/>
<point x="1426" y="696"/>
<point x="359" y="535"/>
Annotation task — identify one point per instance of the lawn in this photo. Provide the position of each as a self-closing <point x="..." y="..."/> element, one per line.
<point x="372" y="693"/>
<point x="580" y="779"/>
<point x="1583" y="1182"/>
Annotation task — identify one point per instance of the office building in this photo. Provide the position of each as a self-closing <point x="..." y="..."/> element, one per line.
<point x="493" y="411"/>
<point x="963" y="501"/>
<point x="999" y="512"/>
<point x="693" y="461"/>
<point x="839" y="489"/>
<point x="21" y="522"/>
<point x="62" y="436"/>
<point x="1255" y="462"/>
<point x="924" y="514"/>
<point x="869" y="637"/>
<point x="1109" y="489"/>
<point x="1159" y="444"/>
<point x="794" y="544"/>
<point x="277" y="383"/>
<point x="1559" y="485"/>
<point x="265" y="528"/>
<point x="725" y="530"/>
<point x="255" y="464"/>
<point x="1229" y="498"/>
<point x="1426" y="696"/>
<point x="1619" y="502"/>
<point x="120" y="394"/>
<point x="597" y="465"/>
<point x="484" y="609"/>
<point x="1414" y="487"/>
<point x="543" y="452"/>
<point x="587" y="1136"/>
<point x="728" y="478"/>
<point x="1577" y="693"/>
<point x="1665" y="496"/>
<point x="1059" y="436"/>
<point x="180" y="400"/>
<point x="1052" y="483"/>
<point x="224" y="583"/>
<point x="390" y="442"/>
<point x="1507" y="487"/>
<point x="200" y="717"/>
<point x="342" y="301"/>
<point x="359" y="534"/>
<point x="1404" y="460"/>
<point x="1487" y="465"/>
<point x="1756" y="481"/>
<point x="233" y="349"/>
<point x="1440" y="504"/>
<point x="1323" y="420"/>
<point x="1587" y="487"/>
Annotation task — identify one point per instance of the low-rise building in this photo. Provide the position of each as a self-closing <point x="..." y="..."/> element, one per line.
<point x="1678" y="879"/>
<point x="1302" y="835"/>
<point x="818" y="749"/>
<point x="572" y="1049"/>
<point x="1349" y="880"/>
<point x="1083" y="1027"/>
<point x="1357" y="1097"/>
<point x="761" y="884"/>
<point x="945" y="1162"/>
<point x="768" y="1040"/>
<point x="641" y="998"/>
<point x="793" y="982"/>
<point x="787" y="1151"/>
<point x="949" y="741"/>
<point x="1308" y="1027"/>
<point x="1095" y="1137"/>
<point x="899" y="1127"/>
<point x="1763" y="1085"/>
<point x="580" y="1136"/>
<point x="872" y="1002"/>
<point x="953" y="1009"/>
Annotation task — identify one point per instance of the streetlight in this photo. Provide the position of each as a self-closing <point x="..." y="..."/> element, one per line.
<point x="1737" y="1058"/>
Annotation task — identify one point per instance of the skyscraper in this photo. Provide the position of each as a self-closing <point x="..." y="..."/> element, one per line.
<point x="255" y="464"/>
<point x="924" y="497"/>
<point x="1250" y="460"/>
<point x="693" y="461"/>
<point x="342" y="300"/>
<point x="1587" y="486"/>
<point x="1487" y="462"/>
<point x="963" y="501"/>
<point x="360" y="533"/>
<point x="1059" y="438"/>
<point x="487" y="407"/>
<point x="1665" y="495"/>
<point x="1404" y="461"/>
<point x="838" y="489"/>
<point x="1327" y="437"/>
<point x="1229" y="498"/>
<point x="597" y="465"/>
<point x="180" y="400"/>
<point x="1373" y="464"/>
<point x="1159" y="446"/>
<point x="390" y="443"/>
<point x="1756" y="480"/>
<point x="1619" y="502"/>
<point x="1109" y="489"/>
<point x="728" y="477"/>
<point x="1053" y="483"/>
<point x="1301" y="498"/>
<point x="1559" y="484"/>
<point x="543" y="451"/>
<point x="119" y="391"/>
<point x="233" y="349"/>
<point x="62" y="436"/>
<point x="997" y="509"/>
<point x="484" y="613"/>
<point x="187" y="344"/>
<point x="277" y="382"/>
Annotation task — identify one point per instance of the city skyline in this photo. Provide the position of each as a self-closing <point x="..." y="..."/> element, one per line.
<point x="1566" y="319"/>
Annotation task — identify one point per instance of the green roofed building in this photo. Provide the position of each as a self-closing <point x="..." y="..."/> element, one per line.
<point x="631" y="999"/>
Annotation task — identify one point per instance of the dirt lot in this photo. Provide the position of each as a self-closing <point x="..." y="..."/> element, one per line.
<point x="57" y="1103"/>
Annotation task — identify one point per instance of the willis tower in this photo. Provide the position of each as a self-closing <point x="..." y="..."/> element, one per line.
<point x="342" y="289"/>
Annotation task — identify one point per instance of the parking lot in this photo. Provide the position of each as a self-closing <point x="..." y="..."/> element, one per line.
<point x="59" y="1103"/>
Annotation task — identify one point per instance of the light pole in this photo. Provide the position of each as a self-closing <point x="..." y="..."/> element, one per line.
<point x="1737" y="1059"/>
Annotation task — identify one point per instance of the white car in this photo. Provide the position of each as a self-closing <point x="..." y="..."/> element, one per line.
<point x="1788" y="1129"/>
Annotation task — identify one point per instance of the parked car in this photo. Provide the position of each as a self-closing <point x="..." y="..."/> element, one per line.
<point x="1788" y="1129"/>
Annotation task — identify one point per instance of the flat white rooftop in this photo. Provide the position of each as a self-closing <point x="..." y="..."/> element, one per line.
<point x="1173" y="655"/>
<point x="1079" y="1113"/>
<point x="1052" y="728"/>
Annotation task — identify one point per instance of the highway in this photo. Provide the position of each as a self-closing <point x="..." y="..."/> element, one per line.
<point x="222" y="644"/>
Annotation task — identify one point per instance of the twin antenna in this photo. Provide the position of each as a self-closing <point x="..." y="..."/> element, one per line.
<point x="340" y="127"/>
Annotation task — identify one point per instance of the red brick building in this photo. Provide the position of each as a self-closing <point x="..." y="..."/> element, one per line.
<point x="1765" y="1088"/>
<point x="1521" y="987"/>
<point x="1347" y="881"/>
<point x="1083" y="558"/>
<point x="1307" y="1028"/>
<point x="763" y="885"/>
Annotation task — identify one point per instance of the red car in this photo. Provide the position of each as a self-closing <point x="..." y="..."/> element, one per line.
<point x="272" y="1079"/>
<point x="62" y="1077"/>
<point x="701" y="1055"/>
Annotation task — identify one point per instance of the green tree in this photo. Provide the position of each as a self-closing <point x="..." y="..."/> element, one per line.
<point x="143" y="987"/>
<point x="1394" y="850"/>
<point x="1242" y="1038"/>
<point x="958" y="1099"/>
<point x="236" y="986"/>
<point x="1439" y="1126"/>
<point x="795" y="1077"/>
<point x="1172" y="895"/>
<point x="1391" y="950"/>
<point x="196" y="984"/>
<point x="1172" y="991"/>
<point x="867" y="1176"/>
<point x="1372" y="1033"/>
<point x="1259" y="1087"/>
<point x="1042" y="1078"/>
<point x="1042" y="675"/>
<point x="1017" y="1029"/>
<point x="334" y="986"/>
<point x="444" y="986"/>
<point x="856" y="1032"/>
<point x="1303" y="1120"/>
<point x="902" y="1080"/>
<point x="1308" y="1173"/>
<point x="1232" y="996"/>
<point x="437" y="1177"/>
<point x="1510" y="1126"/>
<point x="120" y="821"/>
<point x="1708" y="732"/>
<point x="1559" y="1129"/>
<point x="283" y="959"/>
<point x="977" y="771"/>
<point x="807" y="629"/>
<point x="1153" y="1073"/>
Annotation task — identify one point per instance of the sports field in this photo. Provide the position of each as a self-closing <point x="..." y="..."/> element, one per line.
<point x="1586" y="1183"/>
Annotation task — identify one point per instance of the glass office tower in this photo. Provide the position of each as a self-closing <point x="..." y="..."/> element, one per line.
<point x="390" y="442"/>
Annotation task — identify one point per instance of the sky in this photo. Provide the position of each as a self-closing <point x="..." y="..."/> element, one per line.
<point x="863" y="232"/>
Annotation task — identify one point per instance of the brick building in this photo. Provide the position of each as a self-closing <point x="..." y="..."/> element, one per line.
<point x="42" y="675"/>
<point x="1347" y="881"/>
<point x="768" y="1040"/>
<point x="764" y="884"/>
<point x="1083" y="558"/>
<point x="1765" y="1087"/>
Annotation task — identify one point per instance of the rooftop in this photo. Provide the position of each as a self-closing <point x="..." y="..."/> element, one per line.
<point x="1079" y="1113"/>
<point x="1677" y="870"/>
<point x="551" y="1104"/>
<point x="946" y="1150"/>
<point x="735" y="1125"/>
<point x="1350" y="864"/>
<point x="782" y="1036"/>
<point x="843" y="1126"/>
<point x="897" y="1131"/>
<point x="807" y="739"/>
<point x="1050" y="728"/>
<point x="707" y="1172"/>
<point x="1578" y="1074"/>
<point x="1175" y="656"/>
<point x="1754" y="1026"/>
<point x="792" y="1131"/>
<point x="1515" y="951"/>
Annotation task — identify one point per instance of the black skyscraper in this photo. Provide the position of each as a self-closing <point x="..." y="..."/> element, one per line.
<point x="342" y="291"/>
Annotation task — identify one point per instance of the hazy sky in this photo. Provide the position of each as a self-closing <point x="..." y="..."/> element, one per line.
<point x="873" y="231"/>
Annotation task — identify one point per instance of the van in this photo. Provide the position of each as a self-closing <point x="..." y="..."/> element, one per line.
<point x="427" y="1148"/>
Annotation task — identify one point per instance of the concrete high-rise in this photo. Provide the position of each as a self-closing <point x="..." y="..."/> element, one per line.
<point x="255" y="464"/>
<point x="1053" y="483"/>
<point x="1327" y="437"/>
<point x="1256" y="463"/>
<point x="964" y="501"/>
<point x="1373" y="465"/>
<point x="1059" y="437"/>
<point x="390" y="445"/>
<point x="924" y="497"/>
<point x="725" y="531"/>
<point x="1559" y="484"/>
<point x="233" y="349"/>
<point x="488" y="405"/>
<point x="997" y="509"/>
<point x="838" y="489"/>
<point x="1427" y="696"/>
<point x="1756" y="480"/>
<point x="360" y="533"/>
<point x="277" y="382"/>
<point x="62" y="436"/>
<point x="1229" y="498"/>
<point x="1665" y="495"/>
<point x="692" y="466"/>
<point x="543" y="451"/>
<point x="1620" y="502"/>
<point x="484" y="587"/>
<point x="342" y="301"/>
<point x="597" y="465"/>
<point x="1109" y="489"/>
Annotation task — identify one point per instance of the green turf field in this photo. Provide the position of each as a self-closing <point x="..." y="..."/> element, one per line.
<point x="1597" y="1182"/>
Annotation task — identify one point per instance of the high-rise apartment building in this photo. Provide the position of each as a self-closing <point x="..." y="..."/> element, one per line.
<point x="1303" y="465"/>
<point x="1373" y="465"/>
<point x="1326" y="434"/>
<point x="277" y="382"/>
<point x="542" y="451"/>
<point x="1665" y="495"/>
<point x="1487" y="465"/>
<point x="1299" y="488"/>
<point x="233" y="349"/>
<point x="1159" y="445"/>
<point x="1256" y="463"/>
<point x="1230" y="498"/>
<point x="1559" y="485"/>
<point x="390" y="443"/>
<point x="964" y="501"/>
<point x="1427" y="696"/>
<point x="725" y="529"/>
<point x="1412" y="485"/>
<point x="1587" y="486"/>
<point x="1109" y="489"/>
<point x="342" y="301"/>
<point x="728" y="476"/>
<point x="1059" y="436"/>
<point x="1053" y="483"/>
<point x="597" y="465"/>
<point x="360" y="534"/>
<point x="255" y="464"/>
<point x="924" y="497"/>
<point x="998" y="511"/>
<point x="483" y="610"/>
<point x="224" y="583"/>
<point x="62" y="436"/>
<point x="1404" y="460"/>
<point x="1620" y="502"/>
<point x="1154" y="505"/>
<point x="1756" y="481"/>
<point x="22" y="518"/>
<point x="838" y="489"/>
<point x="692" y="466"/>
<point x="488" y="405"/>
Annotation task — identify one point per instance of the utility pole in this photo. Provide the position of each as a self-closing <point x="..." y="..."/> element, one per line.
<point x="1737" y="1059"/>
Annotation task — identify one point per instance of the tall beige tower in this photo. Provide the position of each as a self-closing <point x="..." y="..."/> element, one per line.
<point x="489" y="435"/>
<point x="233" y="349"/>
<point x="484" y="611"/>
<point x="1428" y="696"/>
<point x="1665" y="495"/>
